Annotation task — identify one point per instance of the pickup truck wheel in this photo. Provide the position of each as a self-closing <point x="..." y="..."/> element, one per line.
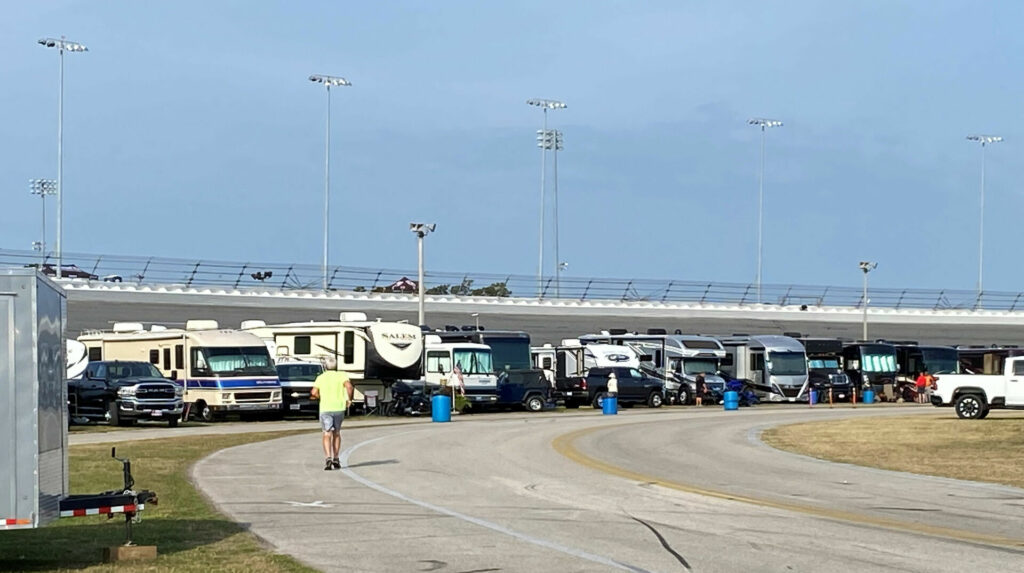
<point x="598" y="400"/>
<point x="984" y="414"/>
<point x="655" y="400"/>
<point x="534" y="403"/>
<point x="115" y="415"/>
<point x="969" y="407"/>
<point x="172" y="423"/>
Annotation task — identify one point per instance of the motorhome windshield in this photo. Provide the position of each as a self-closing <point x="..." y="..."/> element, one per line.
<point x="787" y="363"/>
<point x="700" y="366"/>
<point x="234" y="361"/>
<point x="878" y="361"/>
<point x="940" y="360"/>
<point x="823" y="364"/>
<point x="511" y="353"/>
<point x="474" y="361"/>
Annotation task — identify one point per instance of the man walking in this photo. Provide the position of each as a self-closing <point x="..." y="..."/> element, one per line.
<point x="334" y="390"/>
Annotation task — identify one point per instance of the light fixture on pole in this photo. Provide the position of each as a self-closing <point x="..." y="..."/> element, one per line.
<point x="984" y="140"/>
<point x="62" y="45"/>
<point x="562" y="265"/>
<point x="867" y="267"/>
<point x="551" y="140"/>
<point x="328" y="82"/>
<point x="476" y="315"/>
<point x="421" y="230"/>
<point x="763" y="124"/>
<point x="43" y="188"/>
<point x="545" y="105"/>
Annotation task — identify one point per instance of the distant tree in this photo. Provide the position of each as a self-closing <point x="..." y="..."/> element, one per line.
<point x="466" y="288"/>
<point x="359" y="289"/>
<point x="439" y="289"/>
<point x="499" y="289"/>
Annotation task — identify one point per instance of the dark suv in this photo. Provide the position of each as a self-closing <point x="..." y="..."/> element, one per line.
<point x="634" y="387"/>
<point x="123" y="392"/>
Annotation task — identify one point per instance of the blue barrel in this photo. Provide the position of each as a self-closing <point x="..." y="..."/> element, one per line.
<point x="869" y="396"/>
<point x="814" y="396"/>
<point x="732" y="400"/>
<point x="441" y="408"/>
<point x="610" y="405"/>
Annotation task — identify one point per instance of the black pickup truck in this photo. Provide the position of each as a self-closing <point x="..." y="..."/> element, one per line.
<point x="122" y="392"/>
<point x="634" y="387"/>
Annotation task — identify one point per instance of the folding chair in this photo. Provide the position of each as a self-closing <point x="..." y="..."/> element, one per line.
<point x="372" y="404"/>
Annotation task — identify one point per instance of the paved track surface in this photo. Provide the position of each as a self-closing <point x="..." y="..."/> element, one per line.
<point x="599" y="493"/>
<point x="544" y="328"/>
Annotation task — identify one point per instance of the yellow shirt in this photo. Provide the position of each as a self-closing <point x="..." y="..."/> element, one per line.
<point x="333" y="395"/>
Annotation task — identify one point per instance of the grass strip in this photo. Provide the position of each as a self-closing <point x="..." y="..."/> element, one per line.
<point x="189" y="534"/>
<point x="990" y="450"/>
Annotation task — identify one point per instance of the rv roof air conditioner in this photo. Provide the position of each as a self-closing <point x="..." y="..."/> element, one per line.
<point x="678" y="331"/>
<point x="128" y="327"/>
<point x="201" y="325"/>
<point x="252" y="324"/>
<point x="157" y="328"/>
<point x="352" y="317"/>
<point x="656" y="331"/>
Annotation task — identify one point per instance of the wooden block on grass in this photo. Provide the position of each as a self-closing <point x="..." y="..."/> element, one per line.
<point x="129" y="553"/>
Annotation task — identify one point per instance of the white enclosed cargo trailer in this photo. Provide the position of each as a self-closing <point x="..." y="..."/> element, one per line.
<point x="33" y="400"/>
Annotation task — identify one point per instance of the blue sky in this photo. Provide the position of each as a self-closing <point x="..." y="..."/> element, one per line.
<point x="191" y="131"/>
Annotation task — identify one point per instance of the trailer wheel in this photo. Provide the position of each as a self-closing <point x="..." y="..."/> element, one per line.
<point x="534" y="403"/>
<point x="970" y="407"/>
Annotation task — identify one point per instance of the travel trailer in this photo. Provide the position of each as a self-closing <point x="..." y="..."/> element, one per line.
<point x="373" y="353"/>
<point x="776" y="366"/>
<point x="222" y="370"/>
<point x="565" y="366"/>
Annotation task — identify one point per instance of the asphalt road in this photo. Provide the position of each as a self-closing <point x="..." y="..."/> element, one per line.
<point x="543" y="328"/>
<point x="689" y="490"/>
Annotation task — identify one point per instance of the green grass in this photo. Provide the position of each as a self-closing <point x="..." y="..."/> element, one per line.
<point x="990" y="450"/>
<point x="189" y="534"/>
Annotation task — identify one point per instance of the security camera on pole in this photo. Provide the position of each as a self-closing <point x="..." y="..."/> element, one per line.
<point x="867" y="267"/>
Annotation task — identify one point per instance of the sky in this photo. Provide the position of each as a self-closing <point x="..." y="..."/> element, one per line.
<point x="191" y="131"/>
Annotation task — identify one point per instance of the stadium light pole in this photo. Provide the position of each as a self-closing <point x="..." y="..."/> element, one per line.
<point x="62" y="45"/>
<point x="866" y="267"/>
<point x="763" y="124"/>
<point x="43" y="188"/>
<point x="545" y="105"/>
<point x="421" y="230"/>
<point x="551" y="140"/>
<point x="328" y="82"/>
<point x="984" y="140"/>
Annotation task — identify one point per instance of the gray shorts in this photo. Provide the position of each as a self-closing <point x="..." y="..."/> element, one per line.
<point x="331" y="421"/>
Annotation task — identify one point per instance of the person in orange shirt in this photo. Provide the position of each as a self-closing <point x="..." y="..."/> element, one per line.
<point x="922" y="383"/>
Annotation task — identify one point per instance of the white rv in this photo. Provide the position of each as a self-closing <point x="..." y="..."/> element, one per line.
<point x="675" y="358"/>
<point x="775" y="365"/>
<point x="573" y="358"/>
<point x="373" y="353"/>
<point x="475" y="364"/>
<point x="223" y="370"/>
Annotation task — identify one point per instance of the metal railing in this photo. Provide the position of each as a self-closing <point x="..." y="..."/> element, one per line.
<point x="155" y="271"/>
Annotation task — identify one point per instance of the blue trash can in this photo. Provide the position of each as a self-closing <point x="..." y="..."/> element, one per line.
<point x="610" y="405"/>
<point x="814" y="397"/>
<point x="869" y="396"/>
<point x="441" y="408"/>
<point x="732" y="400"/>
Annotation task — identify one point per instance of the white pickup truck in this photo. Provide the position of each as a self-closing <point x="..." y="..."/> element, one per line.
<point x="973" y="395"/>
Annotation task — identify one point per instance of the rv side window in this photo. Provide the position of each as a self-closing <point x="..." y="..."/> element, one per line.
<point x="349" y="347"/>
<point x="302" y="345"/>
<point x="179" y="356"/>
<point x="199" y="363"/>
<point x="167" y="358"/>
<point x="757" y="362"/>
<point x="95" y="354"/>
<point x="154" y="356"/>
<point x="436" y="361"/>
<point x="546" y="363"/>
<point x="1018" y="368"/>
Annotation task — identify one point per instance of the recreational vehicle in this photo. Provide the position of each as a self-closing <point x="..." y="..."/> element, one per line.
<point x="223" y="370"/>
<point x="825" y="369"/>
<point x="373" y="353"/>
<point x="566" y="366"/>
<point x="871" y="365"/>
<point x="465" y="365"/>
<point x="686" y="357"/>
<point x="985" y="359"/>
<point x="776" y="366"/>
<point x="518" y="383"/>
